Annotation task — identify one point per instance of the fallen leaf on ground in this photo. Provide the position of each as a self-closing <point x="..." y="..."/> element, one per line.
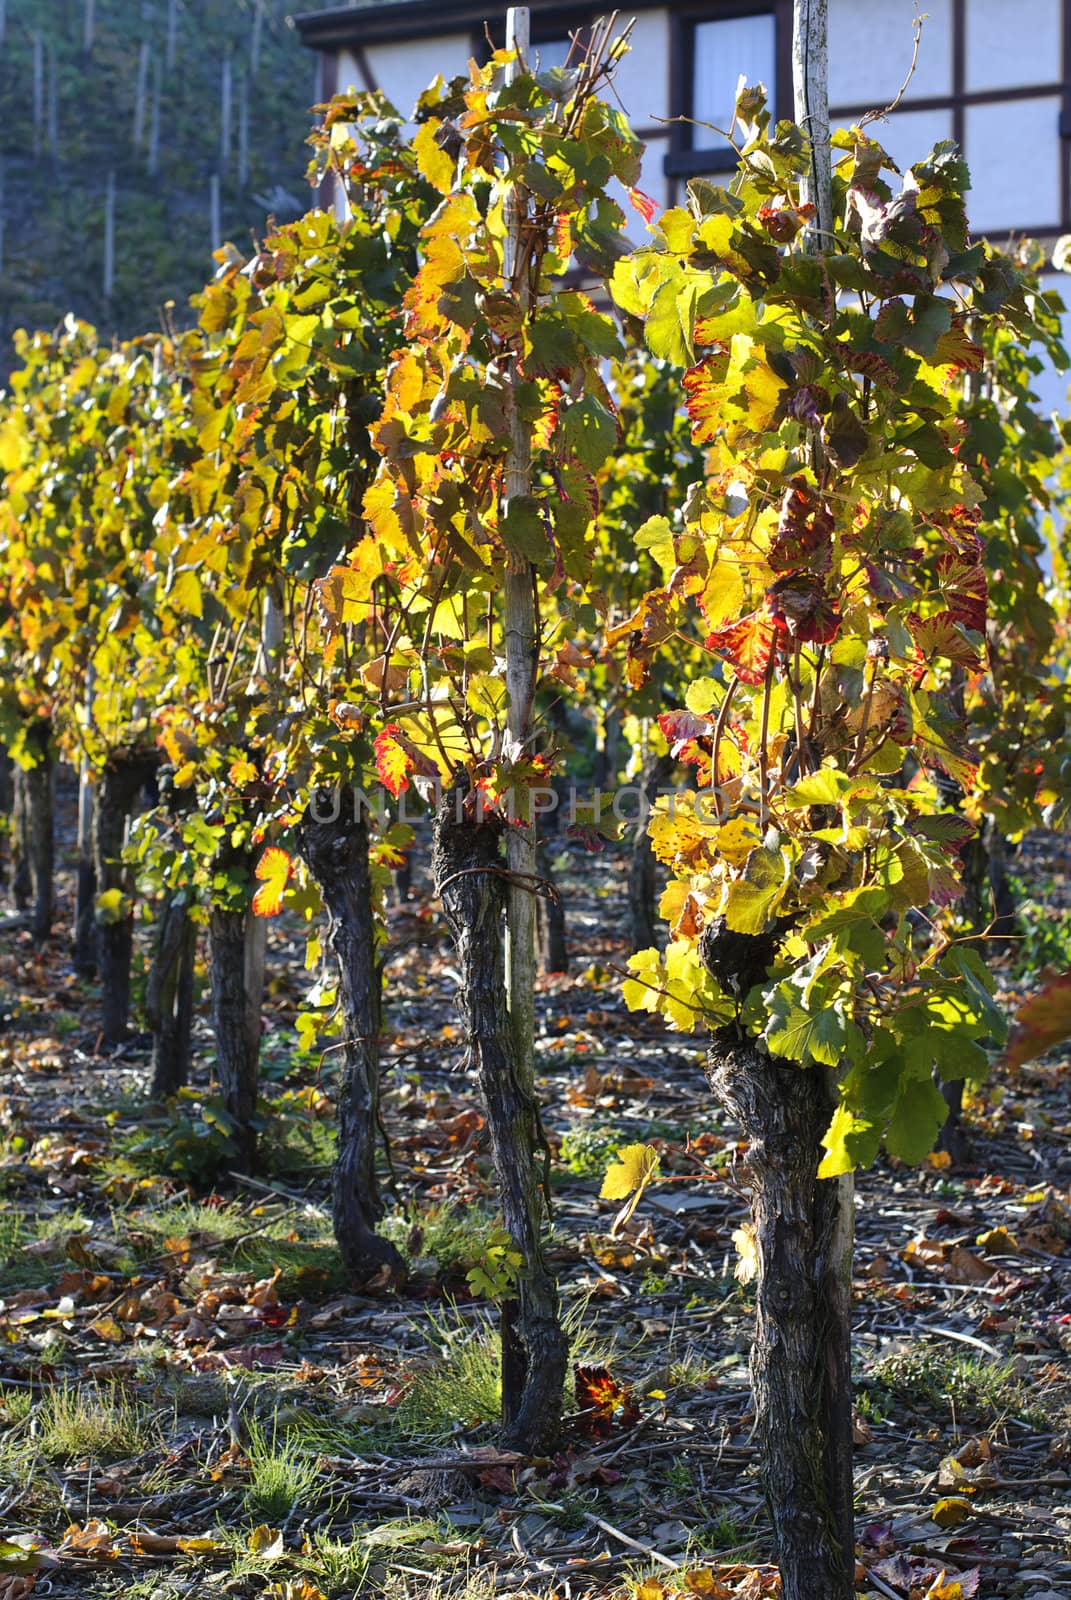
<point x="951" y="1511"/>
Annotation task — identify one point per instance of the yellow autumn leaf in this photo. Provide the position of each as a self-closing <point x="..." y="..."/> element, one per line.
<point x="634" y="1168"/>
<point x="185" y="592"/>
<point x="747" y="1253"/>
<point x="737" y="839"/>
<point x="951" y="1511"/>
<point x="265" y="1542"/>
<point x="944" y="1587"/>
<point x="998" y="1242"/>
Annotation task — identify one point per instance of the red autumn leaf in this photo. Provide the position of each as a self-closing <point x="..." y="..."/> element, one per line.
<point x="957" y="349"/>
<point x="784" y="222"/>
<point x="804" y="532"/>
<point x="802" y="610"/>
<point x="1041" y="1022"/>
<point x="940" y="635"/>
<point x="586" y="834"/>
<point x="965" y="589"/>
<point x="867" y="363"/>
<point x="643" y="204"/>
<point x="396" y="757"/>
<point x="747" y="644"/>
<point x="273" y="872"/>
<point x="602" y="1401"/>
<point x="682" y="728"/>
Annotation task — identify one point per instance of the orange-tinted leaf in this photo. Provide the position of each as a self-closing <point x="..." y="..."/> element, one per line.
<point x="1041" y="1022"/>
<point x="392" y="760"/>
<point x="602" y="1401"/>
<point x="704" y="390"/>
<point x="273" y="874"/>
<point x="397" y="757"/>
<point x="748" y="645"/>
<point x="940" y="635"/>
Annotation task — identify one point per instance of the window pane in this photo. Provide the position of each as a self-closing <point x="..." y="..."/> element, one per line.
<point x="870" y="45"/>
<point x="909" y="136"/>
<point x="554" y="53"/>
<point x="1013" y="151"/>
<point x="1008" y="46"/>
<point x="723" y="50"/>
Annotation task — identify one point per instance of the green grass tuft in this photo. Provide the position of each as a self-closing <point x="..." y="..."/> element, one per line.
<point x="281" y="1475"/>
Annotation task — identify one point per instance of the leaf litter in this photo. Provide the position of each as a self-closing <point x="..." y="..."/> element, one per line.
<point x="195" y="1399"/>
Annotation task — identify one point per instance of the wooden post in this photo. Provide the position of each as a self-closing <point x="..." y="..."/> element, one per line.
<point x="521" y="644"/>
<point x="213" y="212"/>
<point x="243" y="131"/>
<point x="52" y="106"/>
<point x="109" y="239"/>
<point x="225" y="115"/>
<point x="172" y="34"/>
<point x="38" y="87"/>
<point x="255" y="37"/>
<point x="87" y="27"/>
<point x="810" y="105"/>
<point x="154" y="116"/>
<point x="141" y="89"/>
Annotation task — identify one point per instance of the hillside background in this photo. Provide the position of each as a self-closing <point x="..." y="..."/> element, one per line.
<point x="137" y="94"/>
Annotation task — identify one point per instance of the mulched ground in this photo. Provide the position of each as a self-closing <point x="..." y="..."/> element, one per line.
<point x="251" y="1424"/>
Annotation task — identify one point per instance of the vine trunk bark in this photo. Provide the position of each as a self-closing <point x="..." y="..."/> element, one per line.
<point x="236" y="982"/>
<point x="34" y="831"/>
<point x="801" y="1355"/>
<point x="122" y="780"/>
<point x="21" y="876"/>
<point x="85" y="922"/>
<point x="552" y="948"/>
<point x="470" y="879"/>
<point x="334" y="843"/>
<point x="169" y="995"/>
<point x="7" y="806"/>
<point x="657" y="771"/>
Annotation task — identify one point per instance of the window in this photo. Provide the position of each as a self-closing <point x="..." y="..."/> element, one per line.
<point x="713" y="47"/>
<point x="547" y="53"/>
<point x="724" y="50"/>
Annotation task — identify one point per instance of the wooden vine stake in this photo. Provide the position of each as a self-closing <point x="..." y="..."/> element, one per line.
<point x="810" y="90"/>
<point x="800" y="1359"/>
<point x="520" y="633"/>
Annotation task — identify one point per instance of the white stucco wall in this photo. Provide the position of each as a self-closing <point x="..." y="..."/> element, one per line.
<point x="1011" y="43"/>
<point x="870" y="45"/>
<point x="404" y="70"/>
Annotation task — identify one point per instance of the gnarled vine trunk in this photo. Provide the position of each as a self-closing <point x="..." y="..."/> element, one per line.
<point x="551" y="947"/>
<point x="7" y="805"/>
<point x="334" y="842"/>
<point x="85" y="920"/>
<point x="34" y="832"/>
<point x="236" y="976"/>
<point x="21" y="876"/>
<point x="169" y="995"/>
<point x="657" y="770"/>
<point x="122" y="780"/>
<point x="801" y="1355"/>
<point x="470" y="879"/>
<point x="552" y="950"/>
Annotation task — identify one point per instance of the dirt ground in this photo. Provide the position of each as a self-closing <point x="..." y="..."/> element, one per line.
<point x="194" y="1400"/>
